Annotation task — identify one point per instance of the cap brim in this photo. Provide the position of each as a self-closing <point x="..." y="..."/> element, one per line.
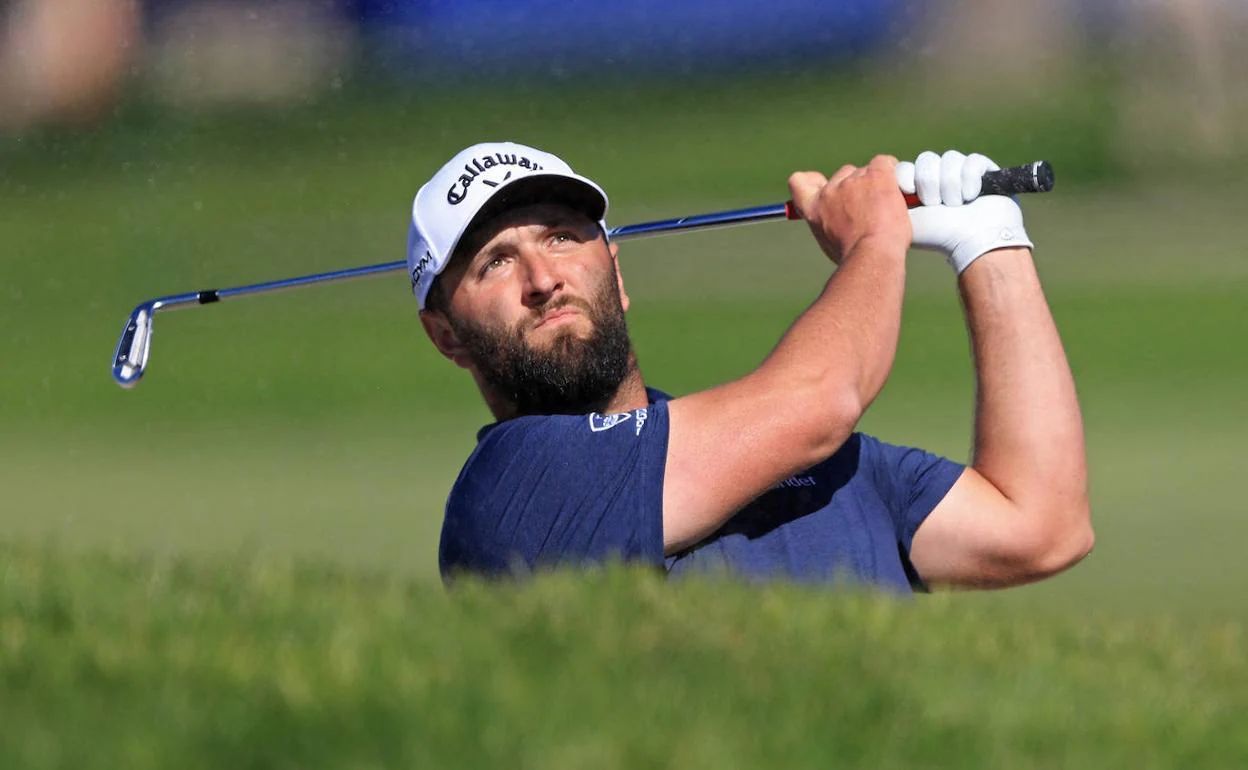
<point x="540" y="188"/>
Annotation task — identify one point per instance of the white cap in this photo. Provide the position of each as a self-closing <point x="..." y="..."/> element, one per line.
<point x="502" y="174"/>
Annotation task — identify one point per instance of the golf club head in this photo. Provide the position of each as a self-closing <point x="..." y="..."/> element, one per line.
<point x="134" y="346"/>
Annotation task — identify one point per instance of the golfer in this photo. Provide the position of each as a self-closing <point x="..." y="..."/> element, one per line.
<point x="765" y="476"/>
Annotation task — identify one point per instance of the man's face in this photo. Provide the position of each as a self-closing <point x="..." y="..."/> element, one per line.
<point x="535" y="308"/>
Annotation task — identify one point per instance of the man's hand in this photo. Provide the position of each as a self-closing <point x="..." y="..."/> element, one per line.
<point x="953" y="219"/>
<point x="855" y="204"/>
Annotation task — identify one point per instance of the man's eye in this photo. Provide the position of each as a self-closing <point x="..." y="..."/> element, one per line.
<point x="493" y="263"/>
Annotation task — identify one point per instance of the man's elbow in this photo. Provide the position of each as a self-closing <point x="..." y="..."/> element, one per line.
<point x="1060" y="543"/>
<point x="839" y="414"/>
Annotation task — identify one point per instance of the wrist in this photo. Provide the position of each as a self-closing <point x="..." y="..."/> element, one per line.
<point x="878" y="246"/>
<point x="1006" y="265"/>
<point x="976" y="245"/>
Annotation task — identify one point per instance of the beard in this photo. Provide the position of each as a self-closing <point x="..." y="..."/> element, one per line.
<point x="570" y="375"/>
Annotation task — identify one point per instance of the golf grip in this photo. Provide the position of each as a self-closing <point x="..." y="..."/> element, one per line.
<point x="1028" y="178"/>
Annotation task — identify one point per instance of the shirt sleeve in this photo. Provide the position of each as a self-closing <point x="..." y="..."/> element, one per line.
<point x="911" y="482"/>
<point x="555" y="490"/>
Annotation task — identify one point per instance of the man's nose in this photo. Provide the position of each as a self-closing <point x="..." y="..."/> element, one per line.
<point x="541" y="277"/>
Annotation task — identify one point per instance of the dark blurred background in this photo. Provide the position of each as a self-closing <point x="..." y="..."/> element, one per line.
<point x="1168" y="67"/>
<point x="149" y="148"/>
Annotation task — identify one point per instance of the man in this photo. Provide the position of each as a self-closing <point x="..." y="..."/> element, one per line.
<point x="763" y="476"/>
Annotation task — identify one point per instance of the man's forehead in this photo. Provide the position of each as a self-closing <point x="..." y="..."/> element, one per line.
<point x="545" y="213"/>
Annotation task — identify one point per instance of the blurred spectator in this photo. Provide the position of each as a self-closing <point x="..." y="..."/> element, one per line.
<point x="1024" y="45"/>
<point x="64" y="61"/>
<point x="206" y="52"/>
<point x="1167" y="65"/>
<point x="1179" y="98"/>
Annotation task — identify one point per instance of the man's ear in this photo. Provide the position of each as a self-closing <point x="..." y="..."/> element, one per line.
<point x="619" y="277"/>
<point x="444" y="338"/>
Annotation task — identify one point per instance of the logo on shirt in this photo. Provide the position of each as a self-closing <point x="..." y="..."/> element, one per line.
<point x="641" y="420"/>
<point x="794" y="482"/>
<point x="601" y="422"/>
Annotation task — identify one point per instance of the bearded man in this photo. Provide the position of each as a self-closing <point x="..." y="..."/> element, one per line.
<point x="765" y="476"/>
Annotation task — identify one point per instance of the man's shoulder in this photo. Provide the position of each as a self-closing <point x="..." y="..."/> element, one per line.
<point x="505" y="455"/>
<point x="539" y="431"/>
<point x="502" y="442"/>
<point x="557" y="487"/>
<point x="518" y="428"/>
<point x="524" y="446"/>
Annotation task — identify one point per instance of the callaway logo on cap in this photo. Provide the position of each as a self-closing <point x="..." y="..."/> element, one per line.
<point x="500" y="174"/>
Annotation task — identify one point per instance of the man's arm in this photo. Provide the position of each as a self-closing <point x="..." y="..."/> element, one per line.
<point x="729" y="444"/>
<point x="1020" y="512"/>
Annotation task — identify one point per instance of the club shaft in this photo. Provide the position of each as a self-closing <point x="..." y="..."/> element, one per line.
<point x="625" y="232"/>
<point x="701" y="222"/>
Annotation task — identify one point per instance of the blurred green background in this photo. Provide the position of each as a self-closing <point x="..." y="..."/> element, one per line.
<point x="321" y="423"/>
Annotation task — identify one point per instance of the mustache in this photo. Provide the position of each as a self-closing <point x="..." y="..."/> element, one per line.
<point x="556" y="305"/>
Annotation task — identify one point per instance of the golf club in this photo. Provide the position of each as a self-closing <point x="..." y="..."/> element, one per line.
<point x="134" y="347"/>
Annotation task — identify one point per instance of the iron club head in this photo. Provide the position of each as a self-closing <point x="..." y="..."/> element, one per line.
<point x="134" y="346"/>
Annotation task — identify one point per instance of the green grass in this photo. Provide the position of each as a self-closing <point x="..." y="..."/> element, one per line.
<point x="261" y="662"/>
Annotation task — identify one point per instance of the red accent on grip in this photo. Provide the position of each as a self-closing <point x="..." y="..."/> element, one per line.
<point x="790" y="210"/>
<point x="912" y="200"/>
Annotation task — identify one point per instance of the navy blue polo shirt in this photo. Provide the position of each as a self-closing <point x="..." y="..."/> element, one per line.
<point x="560" y="490"/>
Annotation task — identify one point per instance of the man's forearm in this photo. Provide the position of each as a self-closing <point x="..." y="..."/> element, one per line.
<point x="846" y="340"/>
<point x="1028" y="430"/>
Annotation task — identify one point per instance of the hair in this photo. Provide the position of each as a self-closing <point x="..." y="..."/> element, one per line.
<point x="436" y="299"/>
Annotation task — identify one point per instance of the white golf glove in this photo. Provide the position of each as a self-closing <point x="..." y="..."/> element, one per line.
<point x="953" y="219"/>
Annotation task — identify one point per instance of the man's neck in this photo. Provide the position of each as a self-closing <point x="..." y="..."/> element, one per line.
<point x="629" y="396"/>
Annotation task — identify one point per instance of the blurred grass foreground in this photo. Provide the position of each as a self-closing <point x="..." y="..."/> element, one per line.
<point x="268" y="663"/>
<point x="234" y="564"/>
